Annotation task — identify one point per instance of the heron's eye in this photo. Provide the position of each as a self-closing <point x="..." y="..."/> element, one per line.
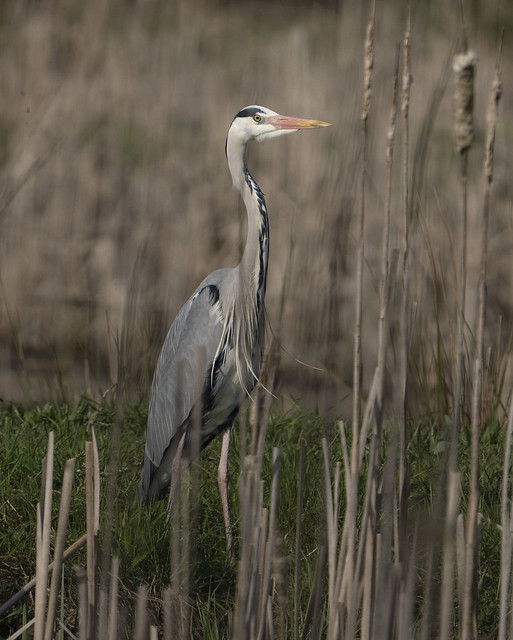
<point x="257" y="117"/>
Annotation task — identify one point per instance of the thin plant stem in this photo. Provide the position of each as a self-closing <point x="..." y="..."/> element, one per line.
<point x="44" y="512"/>
<point x="506" y="531"/>
<point x="60" y="543"/>
<point x="405" y="302"/>
<point x="92" y="540"/>
<point x="301" y="478"/>
<point x="347" y="551"/>
<point x="113" y="599"/>
<point x="141" y="615"/>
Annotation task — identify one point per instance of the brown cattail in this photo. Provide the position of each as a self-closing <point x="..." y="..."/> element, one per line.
<point x="463" y="66"/>
<point x="491" y="121"/>
<point x="368" y="66"/>
<point x="407" y="78"/>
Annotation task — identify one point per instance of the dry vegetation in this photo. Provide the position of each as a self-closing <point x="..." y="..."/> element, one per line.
<point x="117" y="202"/>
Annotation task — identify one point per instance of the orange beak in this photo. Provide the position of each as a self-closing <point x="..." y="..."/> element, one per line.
<point x="286" y="122"/>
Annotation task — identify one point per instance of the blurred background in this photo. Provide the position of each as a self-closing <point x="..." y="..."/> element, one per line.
<point x="116" y="200"/>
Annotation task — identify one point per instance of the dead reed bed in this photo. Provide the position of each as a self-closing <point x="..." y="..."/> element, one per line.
<point x="401" y="233"/>
<point x="116" y="201"/>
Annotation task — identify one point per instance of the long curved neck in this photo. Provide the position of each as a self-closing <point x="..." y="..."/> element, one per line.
<point x="254" y="261"/>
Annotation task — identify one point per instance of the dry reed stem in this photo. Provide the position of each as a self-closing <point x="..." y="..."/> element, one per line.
<point x="366" y="104"/>
<point x="404" y="345"/>
<point x="72" y="549"/>
<point x="428" y="599"/>
<point x="313" y="613"/>
<point x="331" y="533"/>
<point x="463" y="102"/>
<point x="387" y="568"/>
<point x="22" y="630"/>
<point x="96" y="476"/>
<point x="491" y="122"/>
<point x="463" y="130"/>
<point x="506" y="533"/>
<point x="385" y="255"/>
<point x="82" y="601"/>
<point x="347" y="552"/>
<point x="141" y="615"/>
<point x="92" y="540"/>
<point x="266" y="581"/>
<point x="449" y="540"/>
<point x="167" y="608"/>
<point x="368" y="540"/>
<point x="472" y="534"/>
<point x="460" y="558"/>
<point x="407" y="597"/>
<point x="369" y="543"/>
<point x="44" y="512"/>
<point x="180" y="550"/>
<point x="113" y="600"/>
<point x="250" y="606"/>
<point x="110" y="498"/>
<point x="299" y="512"/>
<point x="60" y="544"/>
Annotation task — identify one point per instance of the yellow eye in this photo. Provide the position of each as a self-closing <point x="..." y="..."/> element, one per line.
<point x="257" y="117"/>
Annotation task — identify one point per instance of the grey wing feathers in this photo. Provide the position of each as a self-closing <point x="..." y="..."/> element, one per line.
<point x="183" y="366"/>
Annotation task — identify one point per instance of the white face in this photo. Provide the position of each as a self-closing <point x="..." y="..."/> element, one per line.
<point x="258" y="123"/>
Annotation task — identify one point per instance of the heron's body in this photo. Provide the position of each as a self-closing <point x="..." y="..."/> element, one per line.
<point x="212" y="354"/>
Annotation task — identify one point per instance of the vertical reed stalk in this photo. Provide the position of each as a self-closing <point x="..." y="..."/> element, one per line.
<point x="506" y="533"/>
<point x="167" y="607"/>
<point x="463" y="101"/>
<point x="113" y="600"/>
<point x="491" y="125"/>
<point x="108" y="513"/>
<point x="347" y="548"/>
<point x="252" y="609"/>
<point x="463" y="104"/>
<point x="266" y="581"/>
<point x="82" y="601"/>
<point x="405" y="302"/>
<point x="141" y="615"/>
<point x="44" y="513"/>
<point x="451" y="515"/>
<point x="385" y="256"/>
<point x="366" y="104"/>
<point x="472" y="530"/>
<point x="60" y="544"/>
<point x="92" y="541"/>
<point x="299" y="512"/>
<point x="331" y="531"/>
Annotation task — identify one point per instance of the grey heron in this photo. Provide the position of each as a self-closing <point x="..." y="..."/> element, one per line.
<point x="211" y="356"/>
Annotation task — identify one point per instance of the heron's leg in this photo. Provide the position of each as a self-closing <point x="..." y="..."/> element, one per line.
<point x="222" y="481"/>
<point x="175" y="475"/>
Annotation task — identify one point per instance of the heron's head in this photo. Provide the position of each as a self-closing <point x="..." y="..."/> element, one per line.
<point x="260" y="123"/>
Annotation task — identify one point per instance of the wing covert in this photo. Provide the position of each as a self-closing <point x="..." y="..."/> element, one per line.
<point x="183" y="366"/>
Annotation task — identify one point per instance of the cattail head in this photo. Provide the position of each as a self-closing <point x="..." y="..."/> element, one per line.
<point x="491" y="121"/>
<point x="464" y="66"/>
<point x="407" y="78"/>
<point x="368" y="67"/>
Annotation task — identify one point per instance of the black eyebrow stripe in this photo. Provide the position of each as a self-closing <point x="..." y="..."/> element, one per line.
<point x="249" y="111"/>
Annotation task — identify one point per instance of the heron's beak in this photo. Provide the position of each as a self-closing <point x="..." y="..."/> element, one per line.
<point x="286" y="122"/>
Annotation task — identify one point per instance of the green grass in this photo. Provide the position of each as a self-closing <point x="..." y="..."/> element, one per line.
<point x="141" y="537"/>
